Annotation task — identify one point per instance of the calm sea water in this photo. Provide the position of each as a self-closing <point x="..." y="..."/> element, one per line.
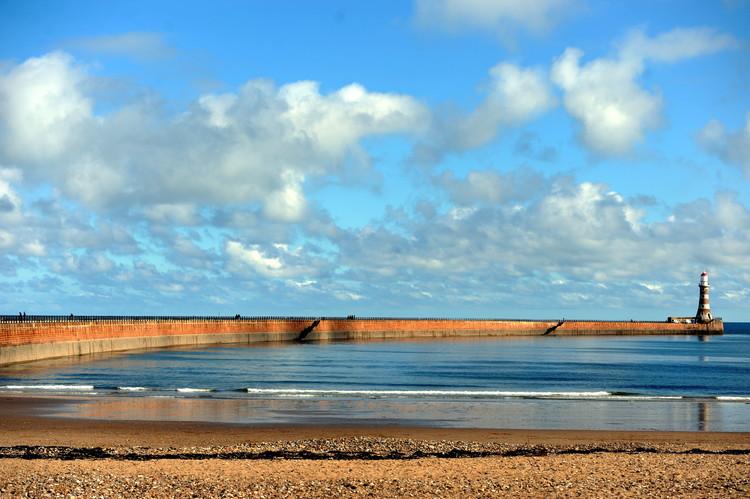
<point x="638" y="382"/>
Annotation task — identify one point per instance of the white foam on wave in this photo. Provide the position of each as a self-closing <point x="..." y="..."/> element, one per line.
<point x="191" y="390"/>
<point x="80" y="388"/>
<point x="132" y="388"/>
<point x="303" y="392"/>
<point x="645" y="397"/>
<point x="727" y="398"/>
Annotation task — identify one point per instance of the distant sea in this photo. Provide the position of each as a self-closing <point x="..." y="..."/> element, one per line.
<point x="628" y="382"/>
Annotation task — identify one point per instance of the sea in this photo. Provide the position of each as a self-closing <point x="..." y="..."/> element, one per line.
<point x="670" y="383"/>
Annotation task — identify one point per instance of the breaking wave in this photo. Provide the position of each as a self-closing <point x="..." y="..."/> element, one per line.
<point x="474" y="394"/>
<point x="57" y="388"/>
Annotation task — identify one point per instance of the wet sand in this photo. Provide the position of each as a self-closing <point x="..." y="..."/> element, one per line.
<point x="88" y="458"/>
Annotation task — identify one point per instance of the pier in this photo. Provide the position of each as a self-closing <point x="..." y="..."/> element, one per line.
<point x="36" y="337"/>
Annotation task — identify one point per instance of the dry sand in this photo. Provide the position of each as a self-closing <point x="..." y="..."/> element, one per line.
<point x="56" y="457"/>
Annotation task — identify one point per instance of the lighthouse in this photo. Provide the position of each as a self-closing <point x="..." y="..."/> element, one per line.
<point x="704" y="306"/>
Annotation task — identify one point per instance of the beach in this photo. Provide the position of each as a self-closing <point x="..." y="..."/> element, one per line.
<point x="473" y="418"/>
<point x="60" y="457"/>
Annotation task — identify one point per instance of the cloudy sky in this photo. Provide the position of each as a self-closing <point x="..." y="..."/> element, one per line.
<point x="488" y="158"/>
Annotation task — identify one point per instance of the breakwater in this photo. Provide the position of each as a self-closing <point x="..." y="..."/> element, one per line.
<point x="24" y="339"/>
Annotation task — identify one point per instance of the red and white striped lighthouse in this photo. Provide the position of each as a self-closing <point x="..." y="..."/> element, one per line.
<point x="704" y="306"/>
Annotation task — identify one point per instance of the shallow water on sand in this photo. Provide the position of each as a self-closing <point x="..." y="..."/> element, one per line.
<point x="659" y="382"/>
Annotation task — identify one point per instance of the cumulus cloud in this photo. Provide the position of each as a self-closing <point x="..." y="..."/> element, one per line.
<point x="613" y="110"/>
<point x="42" y="108"/>
<point x="731" y="147"/>
<point x="604" y="96"/>
<point x="288" y="203"/>
<point x="276" y="261"/>
<point x="499" y="17"/>
<point x="567" y="227"/>
<point x="600" y="244"/>
<point x="514" y="95"/>
<point x="258" y="145"/>
<point x="172" y="208"/>
<point x="254" y="258"/>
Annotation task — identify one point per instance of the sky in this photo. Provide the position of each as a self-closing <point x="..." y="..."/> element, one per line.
<point x="454" y="158"/>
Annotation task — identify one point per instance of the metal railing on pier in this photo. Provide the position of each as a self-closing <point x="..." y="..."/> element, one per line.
<point x="216" y="318"/>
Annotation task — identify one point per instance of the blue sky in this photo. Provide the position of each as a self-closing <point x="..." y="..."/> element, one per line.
<point x="483" y="158"/>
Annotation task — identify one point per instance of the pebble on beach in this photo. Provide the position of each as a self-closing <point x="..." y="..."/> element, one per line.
<point x="375" y="467"/>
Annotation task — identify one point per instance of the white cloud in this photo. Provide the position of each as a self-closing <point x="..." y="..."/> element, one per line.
<point x="489" y="186"/>
<point x="253" y="257"/>
<point x="499" y="17"/>
<point x="173" y="287"/>
<point x="613" y="110"/>
<point x="7" y="239"/>
<point x="514" y="95"/>
<point x="10" y="201"/>
<point x="739" y="295"/>
<point x="209" y="190"/>
<point x="587" y="210"/>
<point x="274" y="261"/>
<point x="217" y="107"/>
<point x="303" y="284"/>
<point x="139" y="45"/>
<point x="92" y="181"/>
<point x="256" y="146"/>
<point x="675" y="45"/>
<point x="33" y="248"/>
<point x="730" y="147"/>
<point x="603" y="95"/>
<point x="578" y="232"/>
<point x="287" y="203"/>
<point x="653" y="287"/>
<point x="95" y="263"/>
<point x="42" y="108"/>
<point x="179" y="213"/>
<point x="333" y="123"/>
<point x="348" y="296"/>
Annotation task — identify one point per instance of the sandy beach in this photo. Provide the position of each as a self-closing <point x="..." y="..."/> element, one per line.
<point x="60" y="457"/>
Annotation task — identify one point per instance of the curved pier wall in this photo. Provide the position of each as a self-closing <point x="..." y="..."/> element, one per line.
<point x="34" y="340"/>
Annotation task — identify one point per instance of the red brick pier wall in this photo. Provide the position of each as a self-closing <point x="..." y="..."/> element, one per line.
<point x="575" y="328"/>
<point x="20" y="333"/>
<point x="34" y="340"/>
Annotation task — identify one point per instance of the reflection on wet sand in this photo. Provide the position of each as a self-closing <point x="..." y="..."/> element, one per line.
<point x="677" y="415"/>
<point x="704" y="416"/>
